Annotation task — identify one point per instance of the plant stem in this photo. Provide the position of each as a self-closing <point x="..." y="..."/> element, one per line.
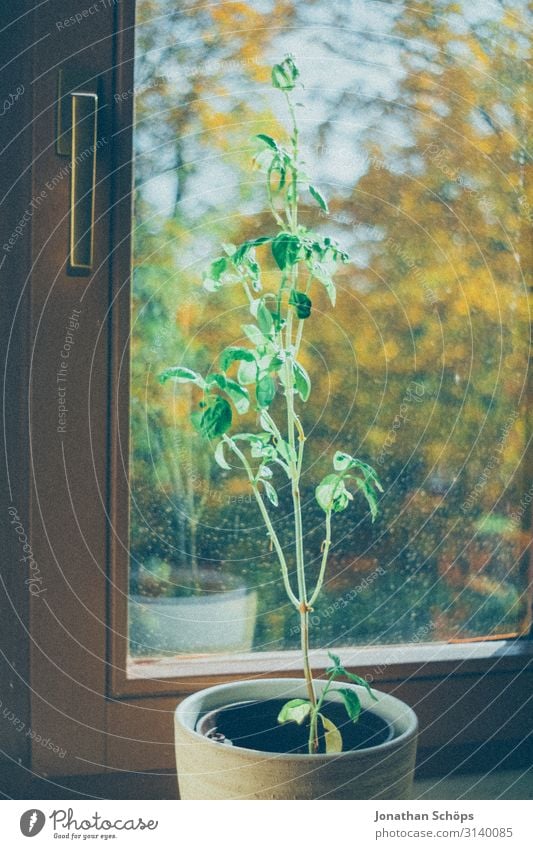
<point x="266" y="518"/>
<point x="293" y="219"/>
<point x="325" y="552"/>
<point x="277" y="217"/>
<point x="301" y="443"/>
<point x="296" y="458"/>
<point x="294" y="474"/>
<point x="272" y="424"/>
<point x="298" y="337"/>
<point x="308" y="673"/>
<point x="313" y="723"/>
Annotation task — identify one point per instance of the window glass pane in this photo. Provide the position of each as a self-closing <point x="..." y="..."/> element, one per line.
<point x="413" y="127"/>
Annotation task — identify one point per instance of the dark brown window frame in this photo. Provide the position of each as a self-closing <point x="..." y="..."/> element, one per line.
<point x="69" y="678"/>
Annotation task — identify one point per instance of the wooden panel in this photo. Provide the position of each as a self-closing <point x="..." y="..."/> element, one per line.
<point x="68" y="451"/>
<point x="15" y="262"/>
<point x="470" y="708"/>
<point x="118" y="551"/>
<point x="141" y="734"/>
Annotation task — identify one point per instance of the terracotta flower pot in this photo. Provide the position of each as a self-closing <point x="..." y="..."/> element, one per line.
<point x="213" y="770"/>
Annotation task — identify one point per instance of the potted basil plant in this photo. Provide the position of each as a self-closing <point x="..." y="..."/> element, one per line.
<point x="285" y="738"/>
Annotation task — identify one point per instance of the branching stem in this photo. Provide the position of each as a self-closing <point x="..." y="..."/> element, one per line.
<point x="325" y="552"/>
<point x="266" y="518"/>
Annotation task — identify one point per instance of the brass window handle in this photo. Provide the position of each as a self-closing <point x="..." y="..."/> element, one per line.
<point x="82" y="181"/>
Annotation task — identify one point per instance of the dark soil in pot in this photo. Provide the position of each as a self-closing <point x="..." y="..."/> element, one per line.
<point x="254" y="725"/>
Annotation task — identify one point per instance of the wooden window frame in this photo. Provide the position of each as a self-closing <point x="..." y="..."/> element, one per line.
<point x="68" y="680"/>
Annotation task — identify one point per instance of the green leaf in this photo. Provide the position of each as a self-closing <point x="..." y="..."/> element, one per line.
<point x="297" y="710"/>
<point x="242" y="251"/>
<point x="265" y="472"/>
<point x="342" y="461"/>
<point x="220" y="458"/>
<point x="251" y="437"/>
<point x="239" y="396"/>
<point x="368" y="492"/>
<point x="216" y="419"/>
<point x="264" y="422"/>
<point x="261" y="240"/>
<point x="275" y="364"/>
<point x="247" y="373"/>
<point x="237" y="393"/>
<point x="285" y="75"/>
<point x="332" y="495"/>
<point x="264" y="319"/>
<point x="302" y="381"/>
<point x="286" y="250"/>
<point x="351" y="702"/>
<point x="272" y="495"/>
<point x="218" y="267"/>
<point x="301" y="302"/>
<point x="254" y="271"/>
<point x="338" y="670"/>
<point x="324" y="277"/>
<point x="279" y="78"/>
<point x="215" y="379"/>
<point x="319" y="198"/>
<point x="282" y="171"/>
<point x="254" y="334"/>
<point x="332" y="735"/>
<point x="267" y="140"/>
<point x="265" y="391"/>
<point x="230" y="355"/>
<point x="196" y="420"/>
<point x="336" y="661"/>
<point x="181" y="375"/>
<point x="285" y="451"/>
<point x="356" y="679"/>
<point x="219" y="273"/>
<point x="263" y="450"/>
